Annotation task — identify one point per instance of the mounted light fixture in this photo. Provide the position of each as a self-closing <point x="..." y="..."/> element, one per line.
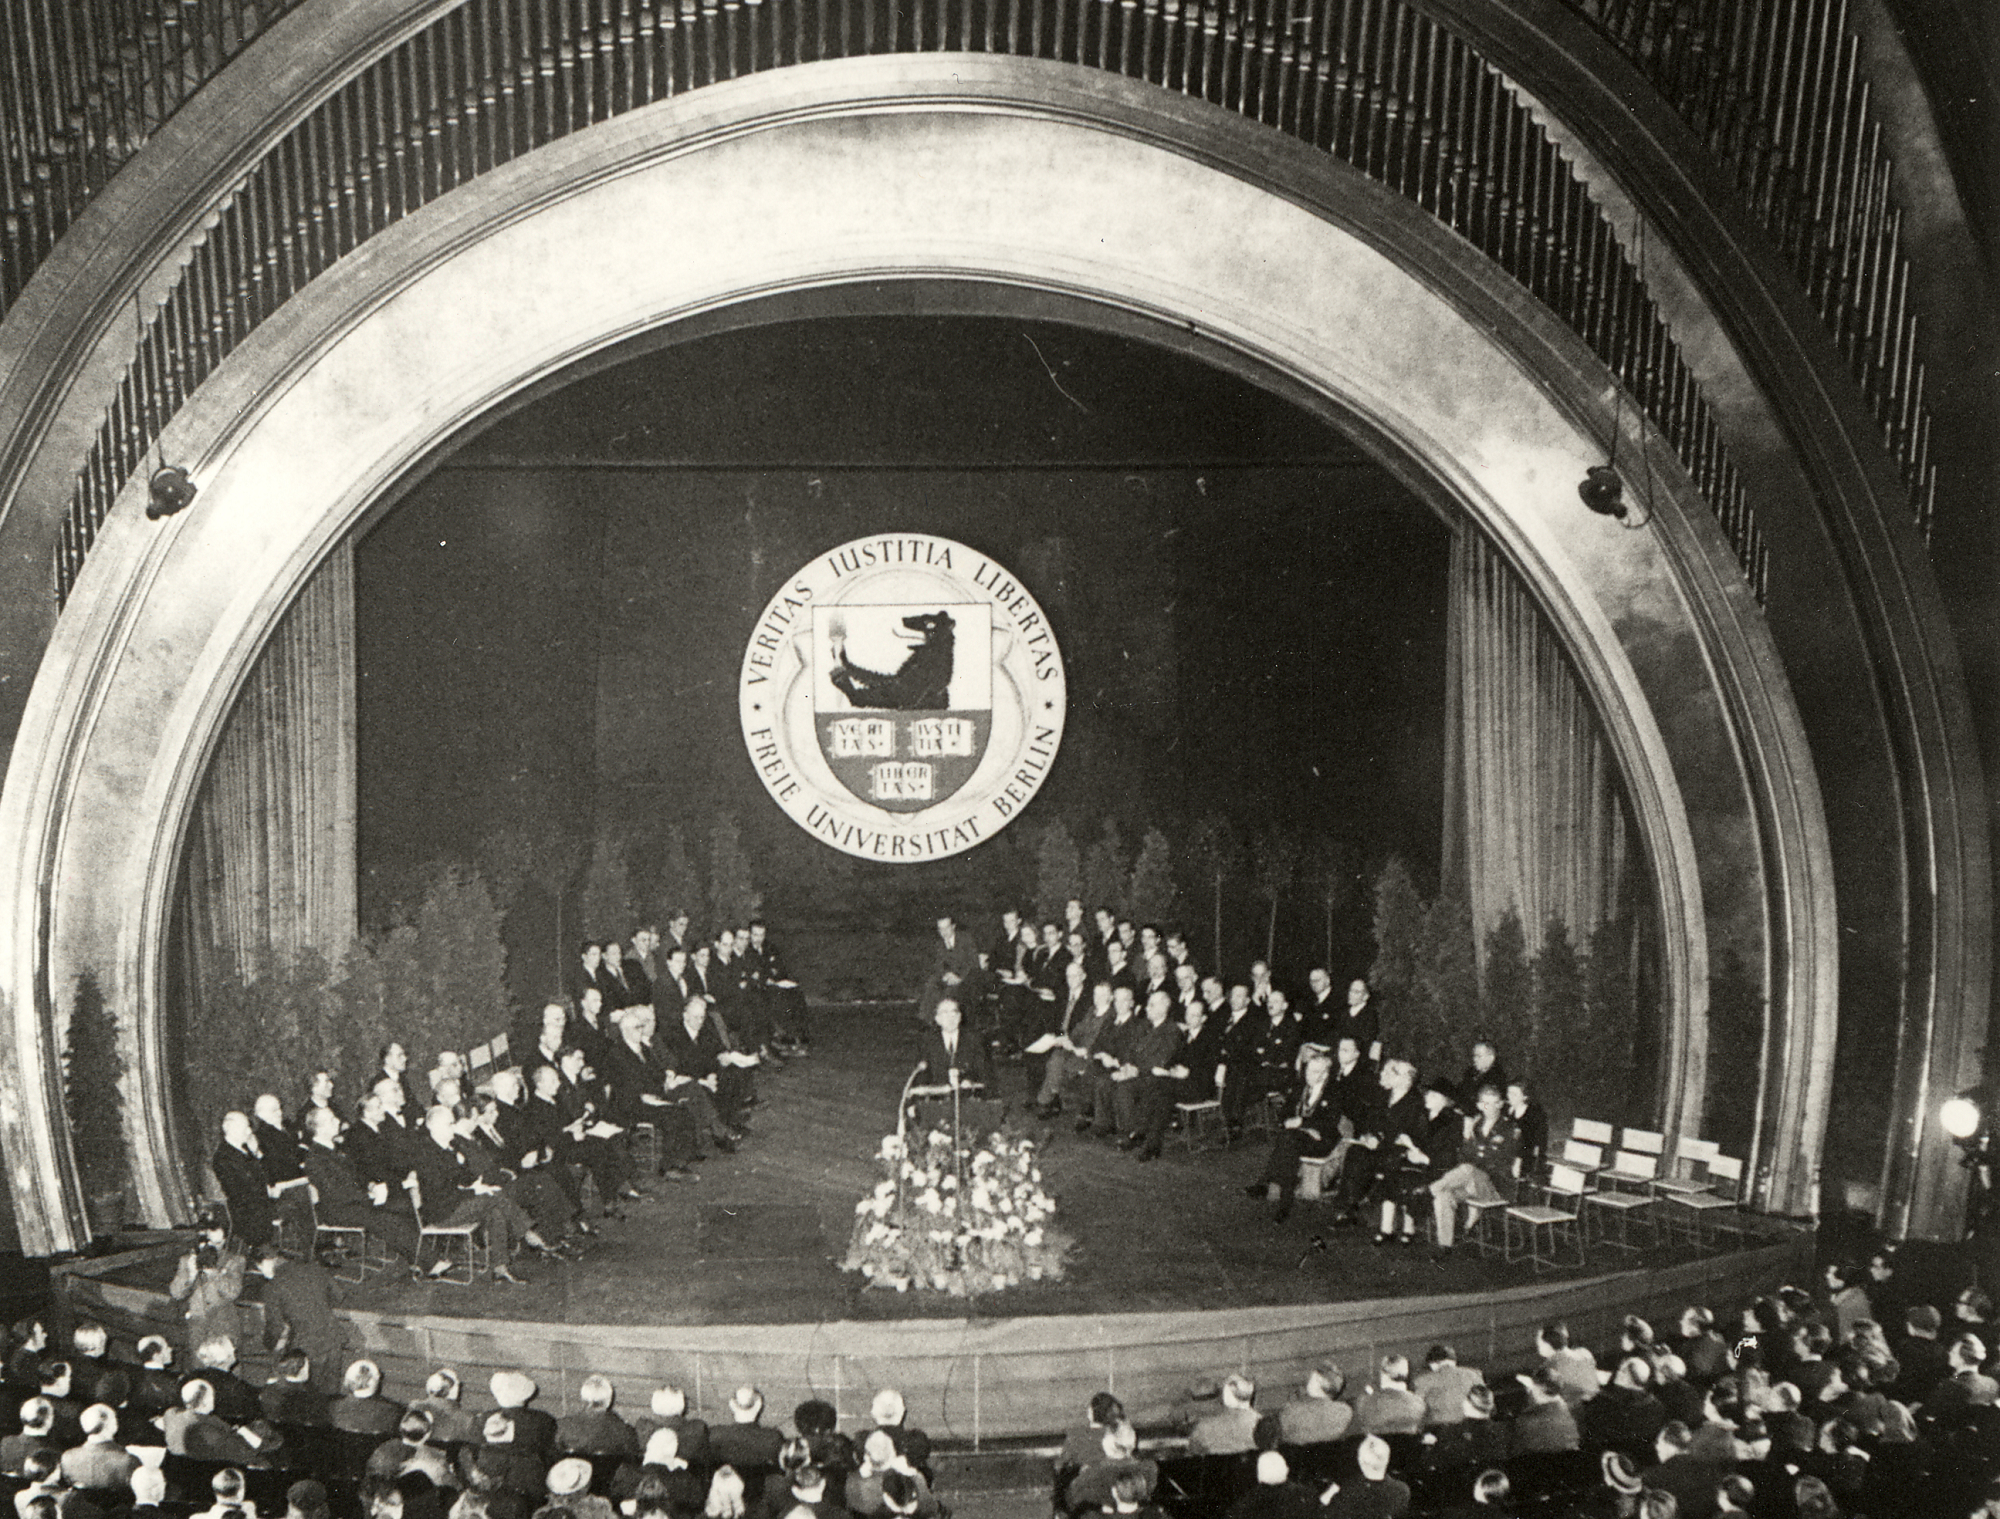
<point x="169" y="491"/>
<point x="1602" y="488"/>
<point x="1960" y="1117"/>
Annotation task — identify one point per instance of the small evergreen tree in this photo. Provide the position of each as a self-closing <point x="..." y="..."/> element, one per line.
<point x="1058" y="871"/>
<point x="1152" y="897"/>
<point x="1510" y="984"/>
<point x="733" y="897"/>
<point x="1561" y="1031"/>
<point x="1277" y="864"/>
<point x="1214" y="854"/>
<point x="462" y="965"/>
<point x="1107" y="872"/>
<point x="605" y="901"/>
<point x="1399" y="928"/>
<point x="1331" y="867"/>
<point x="1447" y="999"/>
<point x="93" y="1070"/>
<point x="681" y="888"/>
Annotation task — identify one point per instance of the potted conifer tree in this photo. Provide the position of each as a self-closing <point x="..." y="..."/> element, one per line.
<point x="92" y="1066"/>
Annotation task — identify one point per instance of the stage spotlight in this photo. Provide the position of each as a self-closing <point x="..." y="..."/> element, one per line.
<point x="169" y="491"/>
<point x="1603" y="491"/>
<point x="1961" y="1117"/>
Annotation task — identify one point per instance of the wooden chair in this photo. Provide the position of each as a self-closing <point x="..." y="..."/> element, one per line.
<point x="1633" y="1169"/>
<point x="1621" y="1205"/>
<point x="1558" y="1217"/>
<point x="454" y="1241"/>
<point x="1580" y="1155"/>
<point x="1265" y="1116"/>
<point x="1690" y="1166"/>
<point x="1719" y="1209"/>
<point x="1202" y="1125"/>
<point x="1591" y="1132"/>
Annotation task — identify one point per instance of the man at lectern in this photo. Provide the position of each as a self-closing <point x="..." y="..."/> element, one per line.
<point x="950" y="1060"/>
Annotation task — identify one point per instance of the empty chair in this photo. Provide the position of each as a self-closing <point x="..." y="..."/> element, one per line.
<point x="1555" y="1220"/>
<point x="1714" y="1212"/>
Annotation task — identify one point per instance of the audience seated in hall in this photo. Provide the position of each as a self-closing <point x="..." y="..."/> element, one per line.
<point x="1234" y="1428"/>
<point x="1317" y="1415"/>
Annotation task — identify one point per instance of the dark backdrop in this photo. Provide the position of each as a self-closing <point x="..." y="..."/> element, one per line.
<point x="1251" y="611"/>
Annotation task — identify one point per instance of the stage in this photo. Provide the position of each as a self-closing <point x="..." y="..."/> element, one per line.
<point x="1177" y="1278"/>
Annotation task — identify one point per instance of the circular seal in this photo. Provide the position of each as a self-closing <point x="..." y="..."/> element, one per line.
<point x="902" y="698"/>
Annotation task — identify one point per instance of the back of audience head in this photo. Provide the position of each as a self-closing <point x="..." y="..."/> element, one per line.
<point x="1479" y="1401"/>
<point x="1654" y="1504"/>
<point x="887" y="1408"/>
<point x="1736" y="1494"/>
<point x="1329" y="1380"/>
<point x="1105" y="1408"/>
<point x="99" y="1421"/>
<point x="38" y="1416"/>
<point x="1238" y="1391"/>
<point x="1440" y="1355"/>
<point x="362" y="1380"/>
<point x="1492" y="1487"/>
<point x="1394" y="1370"/>
<point x="1372" y="1456"/>
<point x="415" y="1426"/>
<point x="1272" y="1471"/>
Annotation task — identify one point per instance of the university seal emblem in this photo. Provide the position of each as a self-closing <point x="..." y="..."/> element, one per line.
<point x="902" y="697"/>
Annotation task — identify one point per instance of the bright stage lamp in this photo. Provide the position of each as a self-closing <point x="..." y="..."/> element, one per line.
<point x="1960" y="1117"/>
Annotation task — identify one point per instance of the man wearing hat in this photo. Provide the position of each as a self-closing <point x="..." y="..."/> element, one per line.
<point x="744" y="1442"/>
<point x="569" y="1490"/>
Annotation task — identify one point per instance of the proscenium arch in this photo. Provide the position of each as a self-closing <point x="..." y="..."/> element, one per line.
<point x="1013" y="174"/>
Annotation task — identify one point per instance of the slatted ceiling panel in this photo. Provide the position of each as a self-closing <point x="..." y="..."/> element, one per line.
<point x="1390" y="93"/>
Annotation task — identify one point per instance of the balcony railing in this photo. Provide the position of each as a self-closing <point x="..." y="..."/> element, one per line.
<point x="1775" y="90"/>
<point x="1372" y="82"/>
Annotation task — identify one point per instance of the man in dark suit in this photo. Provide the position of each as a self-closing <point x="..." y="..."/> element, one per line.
<point x="534" y="1428"/>
<point x="745" y="1443"/>
<point x="952" y="1060"/>
<point x="1319" y="1019"/>
<point x="1232" y="1078"/>
<point x="1143" y="1088"/>
<point x="620" y="991"/>
<point x="953" y="971"/>
<point x="451" y="1192"/>
<point x="694" y="1061"/>
<point x="348" y="1199"/>
<point x="283" y="1154"/>
<point x="1361" y="1019"/>
<point x="240" y="1170"/>
<point x="299" y="1299"/>
<point x="594" y="1430"/>
<point x="589" y="1031"/>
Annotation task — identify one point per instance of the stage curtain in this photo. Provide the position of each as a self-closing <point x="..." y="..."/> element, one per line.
<point x="270" y="868"/>
<point x="1534" y="819"/>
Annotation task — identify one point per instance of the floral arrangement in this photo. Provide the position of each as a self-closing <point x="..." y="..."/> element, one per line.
<point x="957" y="1223"/>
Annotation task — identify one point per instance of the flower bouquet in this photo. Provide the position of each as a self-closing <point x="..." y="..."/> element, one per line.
<point x="949" y="1222"/>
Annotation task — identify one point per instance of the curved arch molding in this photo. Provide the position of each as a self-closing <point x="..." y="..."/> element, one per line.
<point x="1023" y="176"/>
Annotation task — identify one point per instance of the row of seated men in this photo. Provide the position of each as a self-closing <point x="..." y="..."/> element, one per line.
<point x="511" y="1156"/>
<point x="145" y="1430"/>
<point x="740" y="972"/>
<point x="1133" y="1062"/>
<point x="1791" y="1412"/>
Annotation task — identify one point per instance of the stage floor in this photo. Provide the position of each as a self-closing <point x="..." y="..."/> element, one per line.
<point x="759" y="1238"/>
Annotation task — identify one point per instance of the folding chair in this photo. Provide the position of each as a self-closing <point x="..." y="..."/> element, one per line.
<point x="1636" y="1167"/>
<point x="1479" y="1231"/>
<point x="452" y="1239"/>
<point x="352" y="1242"/>
<point x="646" y="1148"/>
<point x="1623" y="1206"/>
<point x="1591" y="1132"/>
<point x="1560" y="1215"/>
<point x="1691" y="1157"/>
<point x="1579" y="1155"/>
<point x="1312" y="1171"/>
<point x="1202" y="1124"/>
<point x="1721" y="1206"/>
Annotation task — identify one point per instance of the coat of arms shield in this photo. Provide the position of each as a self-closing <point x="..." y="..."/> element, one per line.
<point x="903" y="698"/>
